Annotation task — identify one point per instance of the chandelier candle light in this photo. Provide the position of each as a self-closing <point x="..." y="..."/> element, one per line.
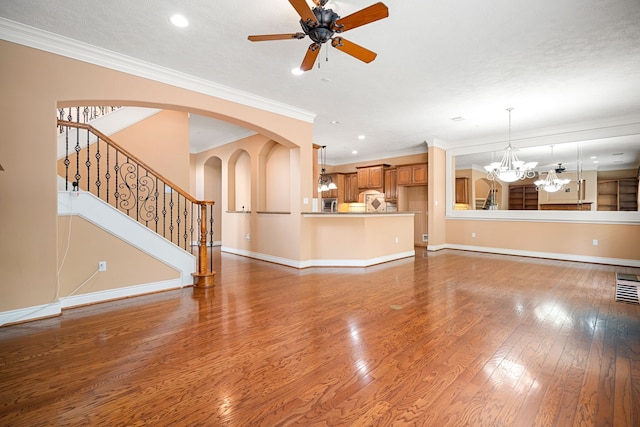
<point x="510" y="169"/>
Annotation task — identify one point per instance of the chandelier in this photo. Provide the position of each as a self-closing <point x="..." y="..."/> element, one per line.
<point x="511" y="168"/>
<point x="325" y="183"/>
<point x="551" y="183"/>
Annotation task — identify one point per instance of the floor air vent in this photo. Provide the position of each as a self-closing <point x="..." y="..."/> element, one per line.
<point x="627" y="288"/>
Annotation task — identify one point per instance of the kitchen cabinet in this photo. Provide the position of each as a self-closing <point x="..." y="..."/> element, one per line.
<point x="371" y="177"/>
<point x="351" y="191"/>
<point x="391" y="185"/>
<point x="462" y="190"/>
<point x="412" y="174"/>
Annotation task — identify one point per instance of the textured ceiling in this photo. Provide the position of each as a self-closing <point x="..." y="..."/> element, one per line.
<point x="557" y="63"/>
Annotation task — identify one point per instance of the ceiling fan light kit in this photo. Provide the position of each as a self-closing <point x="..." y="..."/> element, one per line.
<point x="322" y="24"/>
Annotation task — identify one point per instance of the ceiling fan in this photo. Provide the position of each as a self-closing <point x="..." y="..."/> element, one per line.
<point x="322" y="24"/>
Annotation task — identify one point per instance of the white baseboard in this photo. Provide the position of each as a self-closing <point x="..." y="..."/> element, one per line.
<point x="30" y="313"/>
<point x="320" y="262"/>
<point x="55" y="308"/>
<point x="120" y="293"/>
<point x="548" y="255"/>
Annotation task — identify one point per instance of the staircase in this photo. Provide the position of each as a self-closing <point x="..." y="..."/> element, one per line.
<point x="96" y="168"/>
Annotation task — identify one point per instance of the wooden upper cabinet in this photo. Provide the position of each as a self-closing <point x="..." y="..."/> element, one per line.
<point x="351" y="192"/>
<point x="391" y="185"/>
<point x="371" y="177"/>
<point x="412" y="174"/>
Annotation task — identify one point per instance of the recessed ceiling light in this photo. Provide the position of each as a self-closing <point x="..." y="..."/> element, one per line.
<point x="457" y="119"/>
<point x="325" y="79"/>
<point x="354" y="152"/>
<point x="297" y="71"/>
<point x="593" y="157"/>
<point x="361" y="137"/>
<point x="179" y="21"/>
<point x="595" y="162"/>
<point x="335" y="122"/>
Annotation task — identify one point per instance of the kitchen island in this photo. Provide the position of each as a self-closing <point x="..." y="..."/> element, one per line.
<point x="356" y="239"/>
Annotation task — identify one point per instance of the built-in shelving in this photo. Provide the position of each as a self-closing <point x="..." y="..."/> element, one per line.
<point x="523" y="197"/>
<point x="618" y="194"/>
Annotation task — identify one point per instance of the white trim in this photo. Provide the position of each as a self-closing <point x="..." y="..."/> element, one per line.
<point x="105" y="216"/>
<point x="581" y="217"/>
<point x="49" y="42"/>
<point x="30" y="313"/>
<point x="354" y="215"/>
<point x="320" y="262"/>
<point x="436" y="247"/>
<point x="120" y="293"/>
<point x="549" y="255"/>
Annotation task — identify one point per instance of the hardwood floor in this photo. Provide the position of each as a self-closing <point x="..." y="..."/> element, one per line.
<point x="448" y="338"/>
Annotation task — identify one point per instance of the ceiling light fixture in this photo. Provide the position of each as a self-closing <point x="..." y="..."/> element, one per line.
<point x="551" y="183"/>
<point x="179" y="21"/>
<point x="510" y="169"/>
<point x="361" y="137"/>
<point x="325" y="183"/>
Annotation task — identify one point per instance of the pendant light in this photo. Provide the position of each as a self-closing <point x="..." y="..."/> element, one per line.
<point x="325" y="183"/>
<point x="511" y="168"/>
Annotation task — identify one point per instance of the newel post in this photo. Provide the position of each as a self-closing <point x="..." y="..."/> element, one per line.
<point x="204" y="277"/>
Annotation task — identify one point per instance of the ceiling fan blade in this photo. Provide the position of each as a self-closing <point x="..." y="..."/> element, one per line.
<point x="350" y="48"/>
<point x="304" y="11"/>
<point x="267" y="37"/>
<point x="364" y="16"/>
<point x="310" y="57"/>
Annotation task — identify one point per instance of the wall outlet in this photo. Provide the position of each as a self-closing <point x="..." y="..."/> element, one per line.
<point x="102" y="266"/>
<point x="425" y="238"/>
<point x="396" y="240"/>
<point x="248" y="236"/>
<point x="473" y="234"/>
<point x="595" y="242"/>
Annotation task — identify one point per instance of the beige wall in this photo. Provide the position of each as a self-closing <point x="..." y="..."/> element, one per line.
<point x="33" y="84"/>
<point x="614" y="240"/>
<point x="82" y="245"/>
<point x="161" y="141"/>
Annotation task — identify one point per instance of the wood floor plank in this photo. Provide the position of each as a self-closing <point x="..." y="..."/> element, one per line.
<point x="448" y="338"/>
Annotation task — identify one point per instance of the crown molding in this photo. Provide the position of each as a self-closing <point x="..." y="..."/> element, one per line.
<point x="53" y="43"/>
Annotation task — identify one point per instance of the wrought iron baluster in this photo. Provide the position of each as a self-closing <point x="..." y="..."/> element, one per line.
<point x="77" y="149"/>
<point x="137" y="192"/>
<point x="88" y="162"/>
<point x="66" y="159"/>
<point x="156" y="194"/>
<point x="178" y="221"/>
<point x="171" y="204"/>
<point x="164" y="211"/>
<point x="116" y="194"/>
<point x="186" y="217"/>
<point x="107" y="175"/>
<point x="146" y="196"/>
<point x="98" y="155"/>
